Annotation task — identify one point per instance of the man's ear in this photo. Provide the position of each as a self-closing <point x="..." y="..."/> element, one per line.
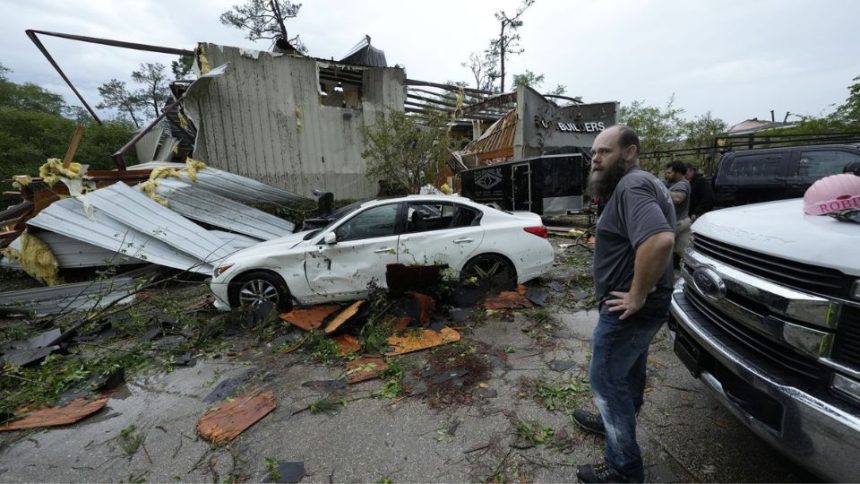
<point x="630" y="152"/>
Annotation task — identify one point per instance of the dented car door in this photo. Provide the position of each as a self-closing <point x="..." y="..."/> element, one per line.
<point x="439" y="233"/>
<point x="361" y="248"/>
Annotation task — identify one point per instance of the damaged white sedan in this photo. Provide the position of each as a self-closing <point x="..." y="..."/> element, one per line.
<point x="338" y="261"/>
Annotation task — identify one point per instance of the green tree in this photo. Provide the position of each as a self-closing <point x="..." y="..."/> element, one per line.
<point x="28" y="96"/>
<point x="658" y="128"/>
<point x="264" y="20"/>
<point x="33" y="129"/>
<point x="702" y="130"/>
<point x="181" y="67"/>
<point x="154" y="93"/>
<point x="482" y="67"/>
<point x="535" y="81"/>
<point x="508" y="41"/>
<point x="406" y="151"/>
<point x="849" y="111"/>
<point x="115" y="95"/>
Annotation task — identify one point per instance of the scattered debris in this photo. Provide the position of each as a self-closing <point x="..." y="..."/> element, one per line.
<point x="81" y="296"/>
<point x="27" y="356"/>
<point x="343" y="317"/>
<point x="453" y="374"/>
<point x="508" y="300"/>
<point x="421" y="340"/>
<point x="51" y="417"/>
<point x="287" y="472"/>
<point x="365" y="368"/>
<point x="226" y="387"/>
<point x="309" y="319"/>
<point x="223" y="424"/>
<point x="536" y="295"/>
<point x="348" y="344"/>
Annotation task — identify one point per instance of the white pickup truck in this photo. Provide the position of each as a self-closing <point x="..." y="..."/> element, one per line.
<point x="767" y="315"/>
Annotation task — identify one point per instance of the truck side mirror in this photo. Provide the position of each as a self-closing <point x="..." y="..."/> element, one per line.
<point x="330" y="238"/>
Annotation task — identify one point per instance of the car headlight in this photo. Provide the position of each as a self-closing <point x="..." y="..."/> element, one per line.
<point x="222" y="269"/>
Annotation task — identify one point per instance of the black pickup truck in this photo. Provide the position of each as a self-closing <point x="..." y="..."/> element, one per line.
<point x="763" y="175"/>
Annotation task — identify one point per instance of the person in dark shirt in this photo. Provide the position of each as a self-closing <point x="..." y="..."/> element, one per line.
<point x="701" y="193"/>
<point x="633" y="285"/>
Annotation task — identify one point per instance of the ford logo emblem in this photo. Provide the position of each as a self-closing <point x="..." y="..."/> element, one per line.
<point x="709" y="283"/>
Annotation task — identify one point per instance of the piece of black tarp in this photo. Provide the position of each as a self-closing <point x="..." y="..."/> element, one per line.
<point x="28" y="356"/>
<point x="365" y="54"/>
<point x="290" y="472"/>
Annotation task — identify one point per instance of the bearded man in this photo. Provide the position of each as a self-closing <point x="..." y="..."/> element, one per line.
<point x="633" y="283"/>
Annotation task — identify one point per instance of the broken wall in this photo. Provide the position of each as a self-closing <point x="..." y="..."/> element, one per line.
<point x="265" y="119"/>
<point x="549" y="129"/>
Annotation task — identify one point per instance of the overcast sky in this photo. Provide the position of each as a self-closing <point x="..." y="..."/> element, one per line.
<point x="736" y="58"/>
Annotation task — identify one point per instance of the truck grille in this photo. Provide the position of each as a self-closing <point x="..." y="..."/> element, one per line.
<point x="782" y="356"/>
<point x="805" y="277"/>
<point x="847" y="349"/>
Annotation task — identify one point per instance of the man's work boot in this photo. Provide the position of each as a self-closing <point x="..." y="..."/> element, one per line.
<point x="589" y="421"/>
<point x="601" y="473"/>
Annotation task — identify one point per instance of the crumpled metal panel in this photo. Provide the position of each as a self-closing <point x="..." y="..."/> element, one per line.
<point x="81" y="296"/>
<point x="204" y="206"/>
<point x="71" y="253"/>
<point x="136" y="210"/>
<point x="241" y="188"/>
<point x="67" y="217"/>
<point x="236" y="242"/>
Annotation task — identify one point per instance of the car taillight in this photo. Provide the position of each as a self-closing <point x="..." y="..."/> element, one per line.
<point x="540" y="231"/>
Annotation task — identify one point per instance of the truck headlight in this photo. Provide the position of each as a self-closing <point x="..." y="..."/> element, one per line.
<point x="855" y="290"/>
<point x="846" y="386"/>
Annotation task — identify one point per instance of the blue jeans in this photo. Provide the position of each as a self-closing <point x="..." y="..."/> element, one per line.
<point x="619" y="358"/>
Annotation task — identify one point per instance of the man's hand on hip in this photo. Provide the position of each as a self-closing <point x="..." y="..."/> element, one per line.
<point x="626" y="302"/>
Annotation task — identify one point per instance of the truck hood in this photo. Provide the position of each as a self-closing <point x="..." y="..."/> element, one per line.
<point x="781" y="229"/>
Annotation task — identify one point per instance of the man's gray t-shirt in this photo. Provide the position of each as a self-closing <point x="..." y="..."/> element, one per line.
<point x="682" y="210"/>
<point x="639" y="207"/>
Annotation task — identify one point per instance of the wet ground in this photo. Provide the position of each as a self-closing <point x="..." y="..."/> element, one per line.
<point x="492" y="407"/>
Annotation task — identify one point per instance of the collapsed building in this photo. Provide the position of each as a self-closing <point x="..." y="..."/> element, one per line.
<point x="268" y="128"/>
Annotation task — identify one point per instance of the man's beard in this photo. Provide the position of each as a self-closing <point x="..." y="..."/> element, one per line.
<point x="603" y="187"/>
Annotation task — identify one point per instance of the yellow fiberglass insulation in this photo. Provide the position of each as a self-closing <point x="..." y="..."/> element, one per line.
<point x="53" y="169"/>
<point x="36" y="259"/>
<point x="150" y="185"/>
<point x="192" y="166"/>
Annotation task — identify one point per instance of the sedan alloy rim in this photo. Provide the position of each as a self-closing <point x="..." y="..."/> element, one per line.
<point x="256" y="292"/>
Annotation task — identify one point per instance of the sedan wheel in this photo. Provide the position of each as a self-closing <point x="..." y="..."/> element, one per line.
<point x="491" y="271"/>
<point x="260" y="288"/>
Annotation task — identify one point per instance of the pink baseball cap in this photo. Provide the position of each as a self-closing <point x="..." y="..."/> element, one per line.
<point x="834" y="193"/>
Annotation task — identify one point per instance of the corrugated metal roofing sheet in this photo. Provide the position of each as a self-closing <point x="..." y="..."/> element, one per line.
<point x="241" y="188"/>
<point x="67" y="217"/>
<point x="204" y="206"/>
<point x="136" y="210"/>
<point x="265" y="119"/>
<point x="236" y="242"/>
<point x="71" y="253"/>
<point x="79" y="296"/>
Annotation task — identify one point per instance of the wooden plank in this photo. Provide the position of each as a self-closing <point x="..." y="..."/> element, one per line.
<point x="223" y="424"/>
<point x="73" y="146"/>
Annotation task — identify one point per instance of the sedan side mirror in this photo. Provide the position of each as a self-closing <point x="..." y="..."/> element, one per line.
<point x="330" y="238"/>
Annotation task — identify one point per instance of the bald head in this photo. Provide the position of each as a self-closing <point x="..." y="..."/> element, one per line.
<point x="624" y="137"/>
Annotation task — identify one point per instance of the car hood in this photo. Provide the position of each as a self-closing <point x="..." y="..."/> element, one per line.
<point x="281" y="245"/>
<point x="781" y="229"/>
